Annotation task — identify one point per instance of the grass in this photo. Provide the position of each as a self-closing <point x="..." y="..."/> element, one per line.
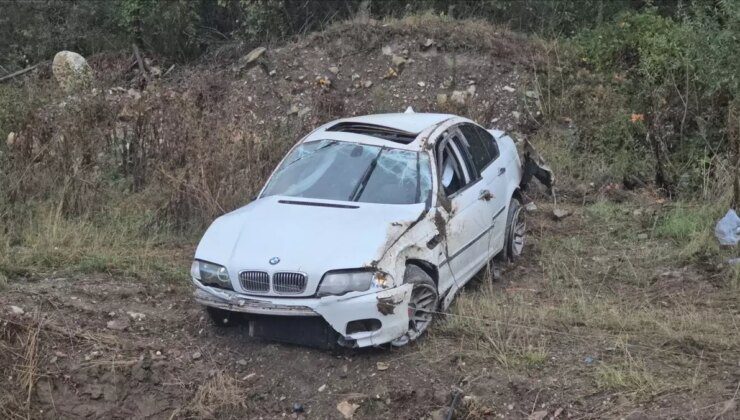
<point x="50" y="243"/>
<point x="589" y="287"/>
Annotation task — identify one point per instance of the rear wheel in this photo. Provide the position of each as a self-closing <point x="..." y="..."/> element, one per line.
<point x="516" y="228"/>
<point x="423" y="303"/>
<point x="220" y="317"/>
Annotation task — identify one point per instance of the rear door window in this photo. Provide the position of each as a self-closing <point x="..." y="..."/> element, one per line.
<point x="481" y="145"/>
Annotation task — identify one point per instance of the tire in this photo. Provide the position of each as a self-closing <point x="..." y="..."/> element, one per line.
<point x="516" y="228"/>
<point x="221" y="318"/>
<point x="424" y="296"/>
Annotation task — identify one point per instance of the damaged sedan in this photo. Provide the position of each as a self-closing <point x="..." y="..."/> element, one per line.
<point x="368" y="227"/>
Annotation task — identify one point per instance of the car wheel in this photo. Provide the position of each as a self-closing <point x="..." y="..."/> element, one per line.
<point x="221" y="317"/>
<point x="423" y="303"/>
<point x="516" y="228"/>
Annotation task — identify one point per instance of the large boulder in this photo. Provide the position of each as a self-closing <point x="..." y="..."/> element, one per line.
<point x="71" y="71"/>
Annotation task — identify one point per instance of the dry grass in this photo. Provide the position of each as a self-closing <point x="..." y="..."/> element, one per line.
<point x="216" y="398"/>
<point x="21" y="349"/>
<point x="592" y="302"/>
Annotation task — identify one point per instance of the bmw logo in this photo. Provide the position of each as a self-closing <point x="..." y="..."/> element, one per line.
<point x="274" y="260"/>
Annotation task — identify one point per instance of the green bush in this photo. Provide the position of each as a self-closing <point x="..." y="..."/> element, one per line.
<point x="678" y="76"/>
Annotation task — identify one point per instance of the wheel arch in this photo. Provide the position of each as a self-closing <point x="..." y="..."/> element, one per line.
<point x="429" y="268"/>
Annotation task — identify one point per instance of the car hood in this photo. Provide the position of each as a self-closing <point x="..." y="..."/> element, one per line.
<point x="308" y="236"/>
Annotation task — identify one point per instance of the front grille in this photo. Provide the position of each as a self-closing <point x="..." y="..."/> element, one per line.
<point x="289" y="283"/>
<point x="255" y="281"/>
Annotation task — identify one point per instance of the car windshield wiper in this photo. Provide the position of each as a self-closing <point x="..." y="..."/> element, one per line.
<point x="360" y="187"/>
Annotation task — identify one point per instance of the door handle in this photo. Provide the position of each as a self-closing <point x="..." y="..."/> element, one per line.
<point x="501" y="171"/>
<point x="485" y="195"/>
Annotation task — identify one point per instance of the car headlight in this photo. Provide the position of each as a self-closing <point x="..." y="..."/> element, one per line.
<point x="341" y="282"/>
<point x="210" y="274"/>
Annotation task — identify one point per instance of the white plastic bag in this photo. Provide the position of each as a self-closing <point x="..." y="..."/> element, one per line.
<point x="727" y="230"/>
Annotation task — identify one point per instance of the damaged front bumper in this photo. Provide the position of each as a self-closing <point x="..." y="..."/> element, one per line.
<point x="360" y="319"/>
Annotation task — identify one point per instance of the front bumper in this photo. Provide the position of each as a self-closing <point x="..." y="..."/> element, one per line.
<point x="389" y="306"/>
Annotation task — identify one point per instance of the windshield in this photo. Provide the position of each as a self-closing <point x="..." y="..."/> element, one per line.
<point x="335" y="170"/>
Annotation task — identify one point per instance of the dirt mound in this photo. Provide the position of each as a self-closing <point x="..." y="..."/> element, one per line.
<point x="199" y="140"/>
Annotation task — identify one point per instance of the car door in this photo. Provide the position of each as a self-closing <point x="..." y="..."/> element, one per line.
<point x="485" y="156"/>
<point x="469" y="218"/>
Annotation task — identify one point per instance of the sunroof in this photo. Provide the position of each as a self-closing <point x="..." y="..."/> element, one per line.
<point x="385" y="133"/>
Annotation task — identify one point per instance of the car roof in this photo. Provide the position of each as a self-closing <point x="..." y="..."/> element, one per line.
<point x="399" y="130"/>
<point x="412" y="122"/>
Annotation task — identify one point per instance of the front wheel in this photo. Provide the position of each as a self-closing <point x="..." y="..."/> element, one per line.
<point x="423" y="303"/>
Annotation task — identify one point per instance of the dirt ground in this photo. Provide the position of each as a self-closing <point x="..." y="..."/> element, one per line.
<point x="106" y="346"/>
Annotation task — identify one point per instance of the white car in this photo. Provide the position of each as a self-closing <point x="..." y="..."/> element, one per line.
<point x="367" y="228"/>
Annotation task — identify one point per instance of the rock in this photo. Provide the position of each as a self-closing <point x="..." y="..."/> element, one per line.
<point x="459" y="97"/>
<point x="508" y="89"/>
<point x="421" y="84"/>
<point x="254" y="55"/>
<point x="197" y="355"/>
<point x="538" y="415"/>
<point x="441" y="99"/>
<point x="530" y="207"/>
<point x="387" y="50"/>
<point x="293" y="109"/>
<point x="322" y="388"/>
<point x="298" y="408"/>
<point x="531" y="94"/>
<point x="398" y="62"/>
<point x="136" y="316"/>
<point x="71" y="71"/>
<point x="471" y="90"/>
<point x="355" y="76"/>
<point x="305" y="110"/>
<point x="367" y="83"/>
<point x="516" y="115"/>
<point x="439" y="414"/>
<point x="155" y="71"/>
<point x="117" y="324"/>
<point x="441" y="396"/>
<point x="241" y="362"/>
<point x="133" y="94"/>
<point x="16" y="310"/>
<point x="642" y="236"/>
<point x="381" y="366"/>
<point x="95" y="391"/>
<point x="427" y="43"/>
<point x="334" y="69"/>
<point x="560" y="214"/>
<point x="347" y="409"/>
<point x="273" y="72"/>
<point x="10" y="141"/>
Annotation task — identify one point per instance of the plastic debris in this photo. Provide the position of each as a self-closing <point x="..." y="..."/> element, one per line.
<point x="727" y="230"/>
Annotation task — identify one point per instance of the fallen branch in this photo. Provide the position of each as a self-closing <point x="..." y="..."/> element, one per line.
<point x="142" y="67"/>
<point x="20" y="72"/>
